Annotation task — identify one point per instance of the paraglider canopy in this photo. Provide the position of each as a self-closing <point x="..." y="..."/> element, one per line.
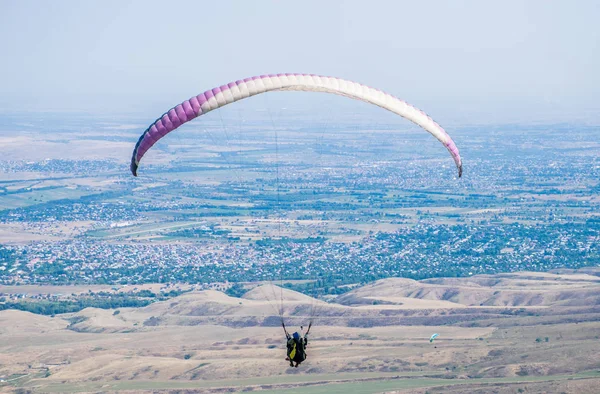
<point x="433" y="337"/>
<point x="241" y="89"/>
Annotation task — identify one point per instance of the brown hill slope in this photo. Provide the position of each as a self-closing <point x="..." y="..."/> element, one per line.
<point x="517" y="289"/>
<point x="13" y="322"/>
<point x="383" y="303"/>
<point x="257" y="307"/>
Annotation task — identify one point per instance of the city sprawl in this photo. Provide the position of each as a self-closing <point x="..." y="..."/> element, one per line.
<point x="341" y="202"/>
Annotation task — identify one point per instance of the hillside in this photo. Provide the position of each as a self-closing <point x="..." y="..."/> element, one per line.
<point x="377" y="341"/>
<point x="514" y="290"/>
<point x="382" y="303"/>
<point x="256" y="307"/>
<point x="14" y="322"/>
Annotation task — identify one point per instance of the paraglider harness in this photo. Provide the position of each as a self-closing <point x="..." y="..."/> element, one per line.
<point x="296" y="345"/>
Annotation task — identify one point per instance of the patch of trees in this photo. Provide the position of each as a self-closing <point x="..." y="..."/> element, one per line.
<point x="237" y="290"/>
<point x="56" y="307"/>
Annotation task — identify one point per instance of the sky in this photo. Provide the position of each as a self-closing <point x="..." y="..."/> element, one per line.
<point x="464" y="60"/>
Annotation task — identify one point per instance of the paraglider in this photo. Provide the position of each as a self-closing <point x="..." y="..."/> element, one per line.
<point x="220" y="96"/>
<point x="296" y="345"/>
<point x="241" y="89"/>
<point x="296" y="348"/>
<point x="432" y="338"/>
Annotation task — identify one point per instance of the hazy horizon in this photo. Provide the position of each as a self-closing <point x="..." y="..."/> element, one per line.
<point x="459" y="61"/>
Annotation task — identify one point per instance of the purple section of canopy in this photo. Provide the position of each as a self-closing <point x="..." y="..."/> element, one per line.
<point x="174" y="118"/>
<point x="177" y="116"/>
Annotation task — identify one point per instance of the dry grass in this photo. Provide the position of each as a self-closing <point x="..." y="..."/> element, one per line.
<point x="516" y="289"/>
<point x="207" y="339"/>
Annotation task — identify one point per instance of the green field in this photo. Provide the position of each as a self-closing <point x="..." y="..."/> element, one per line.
<point x="24" y="199"/>
<point x="358" y="383"/>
